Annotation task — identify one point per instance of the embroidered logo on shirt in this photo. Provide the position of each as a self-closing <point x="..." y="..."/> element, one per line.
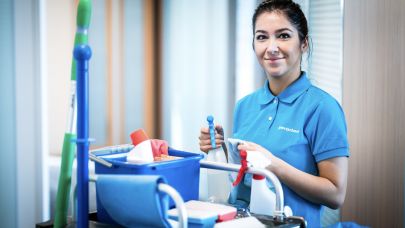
<point x="281" y="128"/>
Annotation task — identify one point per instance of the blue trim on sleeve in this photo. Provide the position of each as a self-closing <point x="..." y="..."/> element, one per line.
<point x="339" y="152"/>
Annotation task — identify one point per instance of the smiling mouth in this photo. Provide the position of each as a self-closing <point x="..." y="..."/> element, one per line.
<point x="272" y="59"/>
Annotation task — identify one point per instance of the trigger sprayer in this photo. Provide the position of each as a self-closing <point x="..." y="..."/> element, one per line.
<point x="218" y="181"/>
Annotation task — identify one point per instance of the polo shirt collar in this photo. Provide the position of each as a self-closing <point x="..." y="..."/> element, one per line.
<point x="289" y="95"/>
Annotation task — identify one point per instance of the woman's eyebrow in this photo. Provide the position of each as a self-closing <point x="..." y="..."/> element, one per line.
<point x="261" y="31"/>
<point x="277" y="31"/>
<point x="283" y="29"/>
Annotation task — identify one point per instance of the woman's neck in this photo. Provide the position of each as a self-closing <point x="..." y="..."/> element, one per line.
<point x="278" y="84"/>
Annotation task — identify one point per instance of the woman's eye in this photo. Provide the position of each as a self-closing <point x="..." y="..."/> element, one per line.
<point x="284" y="36"/>
<point x="260" y="37"/>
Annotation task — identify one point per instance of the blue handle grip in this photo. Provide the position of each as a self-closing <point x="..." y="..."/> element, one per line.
<point x="211" y="127"/>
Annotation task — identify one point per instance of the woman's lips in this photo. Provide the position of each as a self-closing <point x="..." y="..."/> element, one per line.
<point x="272" y="60"/>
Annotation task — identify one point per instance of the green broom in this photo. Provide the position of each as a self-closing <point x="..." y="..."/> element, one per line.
<point x="68" y="149"/>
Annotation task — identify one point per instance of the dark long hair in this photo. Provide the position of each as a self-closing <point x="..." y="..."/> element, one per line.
<point x="288" y="8"/>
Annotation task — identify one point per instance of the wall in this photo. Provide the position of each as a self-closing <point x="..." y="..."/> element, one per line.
<point x="116" y="69"/>
<point x="373" y="99"/>
<point x="23" y="175"/>
<point x="59" y="50"/>
<point x="8" y="199"/>
<point x="196" y="74"/>
<point x="31" y="117"/>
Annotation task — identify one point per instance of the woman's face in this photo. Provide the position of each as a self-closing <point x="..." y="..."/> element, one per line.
<point x="277" y="45"/>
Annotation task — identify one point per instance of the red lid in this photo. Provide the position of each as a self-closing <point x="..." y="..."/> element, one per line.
<point x="138" y="136"/>
<point x="258" y="177"/>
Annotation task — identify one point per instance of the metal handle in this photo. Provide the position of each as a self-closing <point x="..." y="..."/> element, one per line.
<point x="181" y="208"/>
<point x="279" y="212"/>
<point x="100" y="160"/>
<point x="94" y="154"/>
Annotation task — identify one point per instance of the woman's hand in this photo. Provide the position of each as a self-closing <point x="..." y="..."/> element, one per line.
<point x="250" y="146"/>
<point x="205" y="140"/>
<point x="329" y="188"/>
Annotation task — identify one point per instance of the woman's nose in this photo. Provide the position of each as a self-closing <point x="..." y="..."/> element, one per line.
<point x="272" y="46"/>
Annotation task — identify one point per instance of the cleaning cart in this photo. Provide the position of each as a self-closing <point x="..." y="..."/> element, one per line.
<point x="183" y="175"/>
<point x="143" y="188"/>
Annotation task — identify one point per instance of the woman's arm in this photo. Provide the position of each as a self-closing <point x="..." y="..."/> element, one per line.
<point x="329" y="188"/>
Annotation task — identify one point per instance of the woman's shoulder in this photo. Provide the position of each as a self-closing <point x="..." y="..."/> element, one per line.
<point x="321" y="103"/>
<point x="320" y="96"/>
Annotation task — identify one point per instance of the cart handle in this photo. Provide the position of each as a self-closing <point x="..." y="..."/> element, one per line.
<point x="93" y="154"/>
<point x="279" y="212"/>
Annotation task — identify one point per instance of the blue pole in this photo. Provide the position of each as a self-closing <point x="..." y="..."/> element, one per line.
<point x="82" y="54"/>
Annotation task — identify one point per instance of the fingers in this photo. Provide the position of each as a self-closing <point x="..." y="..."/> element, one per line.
<point x="249" y="146"/>
<point x="204" y="130"/>
<point x="205" y="145"/>
<point x="204" y="134"/>
<point x="205" y="140"/>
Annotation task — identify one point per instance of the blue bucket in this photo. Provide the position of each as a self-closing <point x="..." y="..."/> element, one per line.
<point x="182" y="174"/>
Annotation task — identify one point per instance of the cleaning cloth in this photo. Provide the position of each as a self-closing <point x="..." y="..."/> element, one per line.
<point x="134" y="200"/>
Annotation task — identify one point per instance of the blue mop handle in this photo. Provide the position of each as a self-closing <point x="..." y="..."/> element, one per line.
<point x="82" y="54"/>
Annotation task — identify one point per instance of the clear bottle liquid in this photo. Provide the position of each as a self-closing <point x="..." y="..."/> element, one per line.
<point x="262" y="199"/>
<point x="217" y="180"/>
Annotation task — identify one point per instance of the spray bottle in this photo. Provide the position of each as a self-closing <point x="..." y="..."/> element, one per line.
<point x="218" y="181"/>
<point x="142" y="151"/>
<point x="262" y="198"/>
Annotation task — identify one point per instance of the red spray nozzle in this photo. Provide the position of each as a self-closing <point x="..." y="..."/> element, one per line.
<point x="243" y="155"/>
<point x="243" y="167"/>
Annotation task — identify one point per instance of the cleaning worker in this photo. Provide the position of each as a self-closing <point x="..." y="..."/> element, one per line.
<point x="296" y="125"/>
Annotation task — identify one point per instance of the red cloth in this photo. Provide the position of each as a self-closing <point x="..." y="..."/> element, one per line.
<point x="159" y="147"/>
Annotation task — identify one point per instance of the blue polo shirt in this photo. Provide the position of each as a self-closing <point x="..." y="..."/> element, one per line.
<point x="303" y="125"/>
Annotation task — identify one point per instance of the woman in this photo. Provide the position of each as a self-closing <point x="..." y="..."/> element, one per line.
<point x="299" y="127"/>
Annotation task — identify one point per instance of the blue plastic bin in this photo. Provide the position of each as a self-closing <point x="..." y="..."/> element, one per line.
<point x="182" y="174"/>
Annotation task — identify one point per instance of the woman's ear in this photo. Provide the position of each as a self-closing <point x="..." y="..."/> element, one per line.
<point x="304" y="45"/>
